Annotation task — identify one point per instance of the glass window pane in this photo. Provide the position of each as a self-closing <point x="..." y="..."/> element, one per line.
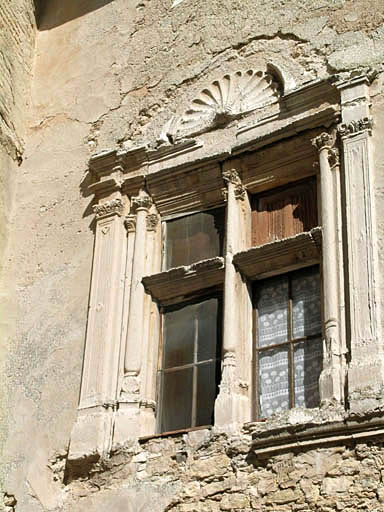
<point x="273" y="381"/>
<point x="272" y="307"/>
<point x="207" y="384"/>
<point x="207" y="322"/>
<point x="176" y="407"/>
<point x="179" y="336"/>
<point x="194" y="238"/>
<point x="306" y="306"/>
<point x="308" y="363"/>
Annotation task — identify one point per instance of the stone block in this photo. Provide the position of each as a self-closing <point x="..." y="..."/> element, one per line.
<point x="234" y="501"/>
<point x="333" y="486"/>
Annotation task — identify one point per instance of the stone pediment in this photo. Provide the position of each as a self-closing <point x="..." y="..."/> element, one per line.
<point x="230" y="97"/>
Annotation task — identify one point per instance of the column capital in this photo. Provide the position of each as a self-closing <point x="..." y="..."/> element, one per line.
<point x="112" y="207"/>
<point x="323" y="141"/>
<point x="354" y="127"/>
<point x="326" y="142"/>
<point x="141" y="202"/>
<point x="231" y="176"/>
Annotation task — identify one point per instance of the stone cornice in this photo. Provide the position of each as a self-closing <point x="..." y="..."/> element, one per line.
<point x="280" y="255"/>
<point x="181" y="281"/>
<point x="305" y="107"/>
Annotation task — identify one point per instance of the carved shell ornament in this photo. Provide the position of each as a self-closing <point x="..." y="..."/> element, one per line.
<point x="226" y="99"/>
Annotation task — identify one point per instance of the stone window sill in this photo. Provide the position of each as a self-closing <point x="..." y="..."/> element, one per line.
<point x="179" y="282"/>
<point x="281" y="255"/>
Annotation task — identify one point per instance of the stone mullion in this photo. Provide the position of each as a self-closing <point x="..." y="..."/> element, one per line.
<point x="93" y="428"/>
<point x="230" y="406"/>
<point x="151" y="332"/>
<point x="127" y="417"/>
<point x="332" y="377"/>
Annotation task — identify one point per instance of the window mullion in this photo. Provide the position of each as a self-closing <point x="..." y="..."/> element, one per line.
<point x="291" y="373"/>
<point x="195" y="370"/>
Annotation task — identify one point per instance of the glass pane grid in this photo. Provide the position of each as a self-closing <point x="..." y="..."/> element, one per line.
<point x="188" y="375"/>
<point x="288" y="369"/>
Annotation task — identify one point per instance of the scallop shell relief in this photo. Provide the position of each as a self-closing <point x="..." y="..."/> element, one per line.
<point x="224" y="100"/>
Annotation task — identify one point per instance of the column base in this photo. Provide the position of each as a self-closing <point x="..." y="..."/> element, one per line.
<point x="366" y="386"/>
<point x="92" y="433"/>
<point x="231" y="406"/>
<point x="127" y="422"/>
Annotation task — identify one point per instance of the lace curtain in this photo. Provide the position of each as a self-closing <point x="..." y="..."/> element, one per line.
<point x="288" y="310"/>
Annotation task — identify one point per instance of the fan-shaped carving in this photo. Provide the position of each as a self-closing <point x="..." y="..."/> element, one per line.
<point x="228" y="98"/>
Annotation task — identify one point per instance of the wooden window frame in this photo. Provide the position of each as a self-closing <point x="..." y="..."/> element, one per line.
<point x="290" y="343"/>
<point x="221" y="236"/>
<point x="195" y="364"/>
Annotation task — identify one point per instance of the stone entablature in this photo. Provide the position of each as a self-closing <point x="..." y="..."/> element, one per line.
<point x="136" y="188"/>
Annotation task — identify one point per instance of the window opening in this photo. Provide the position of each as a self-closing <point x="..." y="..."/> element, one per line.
<point x="288" y="341"/>
<point x="193" y="238"/>
<point x="284" y="212"/>
<point x="190" y="364"/>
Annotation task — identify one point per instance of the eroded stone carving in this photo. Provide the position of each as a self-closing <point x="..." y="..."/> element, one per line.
<point x="108" y="208"/>
<point x="326" y="141"/>
<point x="225" y="99"/>
<point x="152" y="221"/>
<point x="142" y="202"/>
<point x="130" y="223"/>
<point x="355" y="126"/>
<point x="232" y="176"/>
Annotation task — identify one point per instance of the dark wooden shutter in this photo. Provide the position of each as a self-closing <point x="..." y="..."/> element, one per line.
<point x="284" y="212"/>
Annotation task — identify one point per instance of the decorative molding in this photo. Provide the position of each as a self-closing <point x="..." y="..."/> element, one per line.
<point x="113" y="207"/>
<point x="152" y="221"/>
<point x="224" y="100"/>
<point x="356" y="126"/>
<point x="232" y="176"/>
<point x="130" y="223"/>
<point x="141" y="202"/>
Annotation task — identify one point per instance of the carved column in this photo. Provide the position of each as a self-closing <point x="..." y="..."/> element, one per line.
<point x="93" y="429"/>
<point x="127" y="419"/>
<point x="366" y="370"/>
<point x="333" y="375"/>
<point x="151" y="334"/>
<point x="232" y="405"/>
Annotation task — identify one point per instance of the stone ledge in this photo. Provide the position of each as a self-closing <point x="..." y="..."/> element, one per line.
<point x="182" y="281"/>
<point x="312" y="433"/>
<point x="281" y="255"/>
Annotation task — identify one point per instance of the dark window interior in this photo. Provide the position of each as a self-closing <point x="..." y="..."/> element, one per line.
<point x="287" y="342"/>
<point x="284" y="212"/>
<point x="190" y="367"/>
<point x="193" y="238"/>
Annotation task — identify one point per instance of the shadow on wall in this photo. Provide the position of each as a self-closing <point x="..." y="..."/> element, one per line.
<point x="53" y="13"/>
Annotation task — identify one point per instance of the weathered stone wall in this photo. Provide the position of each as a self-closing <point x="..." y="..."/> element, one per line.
<point x="110" y="72"/>
<point x="209" y="471"/>
<point x="17" y="43"/>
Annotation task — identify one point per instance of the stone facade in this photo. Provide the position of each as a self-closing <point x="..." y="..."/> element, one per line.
<point x="117" y="80"/>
